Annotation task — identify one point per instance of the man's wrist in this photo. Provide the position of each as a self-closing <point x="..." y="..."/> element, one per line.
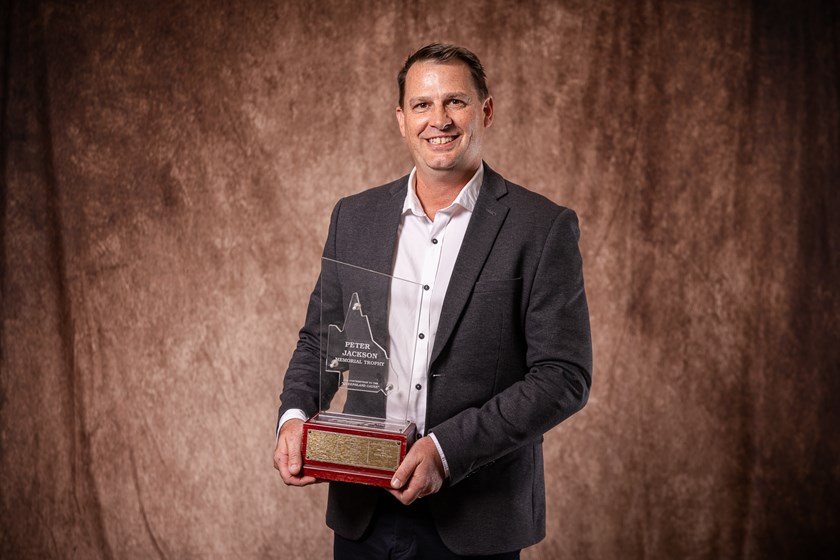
<point x="442" y="456"/>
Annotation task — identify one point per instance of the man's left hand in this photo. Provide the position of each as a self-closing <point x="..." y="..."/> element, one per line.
<point x="420" y="473"/>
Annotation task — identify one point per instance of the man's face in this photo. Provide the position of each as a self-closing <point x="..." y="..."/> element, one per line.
<point x="443" y="119"/>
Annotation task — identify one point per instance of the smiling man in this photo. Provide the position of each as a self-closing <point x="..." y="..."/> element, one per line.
<point x="507" y="354"/>
<point x="443" y="115"/>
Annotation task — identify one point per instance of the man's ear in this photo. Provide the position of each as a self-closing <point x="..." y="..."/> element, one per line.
<point x="401" y="120"/>
<point x="487" y="108"/>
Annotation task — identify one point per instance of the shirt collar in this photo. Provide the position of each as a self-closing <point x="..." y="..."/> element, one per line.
<point x="466" y="199"/>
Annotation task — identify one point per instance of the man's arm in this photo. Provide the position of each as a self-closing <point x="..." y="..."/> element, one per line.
<point x="299" y="399"/>
<point x="302" y="382"/>
<point x="559" y="360"/>
<point x="556" y="385"/>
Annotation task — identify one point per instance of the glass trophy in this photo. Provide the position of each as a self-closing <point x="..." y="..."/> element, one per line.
<point x="361" y="432"/>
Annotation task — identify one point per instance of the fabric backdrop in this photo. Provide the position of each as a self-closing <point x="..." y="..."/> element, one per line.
<point x="168" y="171"/>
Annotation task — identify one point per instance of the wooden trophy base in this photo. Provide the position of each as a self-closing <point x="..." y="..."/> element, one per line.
<point x="356" y="449"/>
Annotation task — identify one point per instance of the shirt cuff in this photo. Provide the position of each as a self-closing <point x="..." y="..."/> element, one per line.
<point x="442" y="456"/>
<point x="290" y="414"/>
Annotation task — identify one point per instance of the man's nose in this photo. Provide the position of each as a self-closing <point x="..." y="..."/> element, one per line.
<point x="441" y="118"/>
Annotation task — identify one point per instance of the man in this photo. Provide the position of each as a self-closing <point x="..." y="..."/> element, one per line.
<point x="508" y="352"/>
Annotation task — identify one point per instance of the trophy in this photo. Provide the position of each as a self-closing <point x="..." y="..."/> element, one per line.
<point x="361" y="432"/>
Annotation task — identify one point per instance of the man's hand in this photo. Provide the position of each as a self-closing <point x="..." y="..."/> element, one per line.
<point x="287" y="457"/>
<point x="420" y="474"/>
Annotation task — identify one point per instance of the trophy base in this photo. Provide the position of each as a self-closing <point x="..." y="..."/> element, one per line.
<point x="357" y="449"/>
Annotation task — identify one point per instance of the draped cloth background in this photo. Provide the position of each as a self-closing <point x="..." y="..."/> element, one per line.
<point x="168" y="170"/>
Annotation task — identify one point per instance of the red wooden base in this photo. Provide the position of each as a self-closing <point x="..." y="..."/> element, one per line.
<point x="370" y="449"/>
<point x="334" y="474"/>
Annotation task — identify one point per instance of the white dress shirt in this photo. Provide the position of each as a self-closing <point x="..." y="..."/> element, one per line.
<point x="426" y="252"/>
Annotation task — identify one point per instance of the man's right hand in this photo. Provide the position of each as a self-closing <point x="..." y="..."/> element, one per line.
<point x="287" y="457"/>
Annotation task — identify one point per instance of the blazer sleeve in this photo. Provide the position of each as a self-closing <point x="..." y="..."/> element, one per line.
<point x="302" y="382"/>
<point x="558" y="360"/>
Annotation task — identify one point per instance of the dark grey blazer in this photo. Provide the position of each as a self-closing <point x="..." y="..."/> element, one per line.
<point x="512" y="359"/>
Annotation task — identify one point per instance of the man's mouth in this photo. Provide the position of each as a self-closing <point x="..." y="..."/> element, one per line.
<point x="438" y="140"/>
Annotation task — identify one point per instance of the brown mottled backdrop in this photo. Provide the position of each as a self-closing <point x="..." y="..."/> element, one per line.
<point x="168" y="170"/>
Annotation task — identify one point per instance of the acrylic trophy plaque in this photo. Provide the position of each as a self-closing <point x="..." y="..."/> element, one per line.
<point x="361" y="432"/>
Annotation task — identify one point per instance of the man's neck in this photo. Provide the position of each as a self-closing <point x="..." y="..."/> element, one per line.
<point x="438" y="192"/>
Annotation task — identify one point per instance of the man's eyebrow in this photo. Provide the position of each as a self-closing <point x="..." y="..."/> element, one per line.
<point x="413" y="100"/>
<point x="448" y="95"/>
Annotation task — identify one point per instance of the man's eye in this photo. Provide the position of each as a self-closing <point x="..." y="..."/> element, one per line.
<point x="421" y="106"/>
<point x="458" y="102"/>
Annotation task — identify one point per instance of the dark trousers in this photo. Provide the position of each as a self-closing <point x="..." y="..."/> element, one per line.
<point x="399" y="532"/>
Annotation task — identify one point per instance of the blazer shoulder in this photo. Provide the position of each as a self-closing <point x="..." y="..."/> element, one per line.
<point x="375" y="196"/>
<point x="526" y="204"/>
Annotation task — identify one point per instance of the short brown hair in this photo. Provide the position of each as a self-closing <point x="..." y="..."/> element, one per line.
<point x="442" y="53"/>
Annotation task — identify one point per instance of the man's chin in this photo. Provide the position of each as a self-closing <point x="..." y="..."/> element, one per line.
<point x="441" y="164"/>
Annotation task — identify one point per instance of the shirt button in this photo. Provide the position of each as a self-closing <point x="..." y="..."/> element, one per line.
<point x="426" y="287"/>
<point x="434" y="240"/>
<point x="418" y="386"/>
<point x="422" y="336"/>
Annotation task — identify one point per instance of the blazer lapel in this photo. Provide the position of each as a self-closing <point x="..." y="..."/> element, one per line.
<point x="488" y="216"/>
<point x="384" y="224"/>
<point x="376" y="252"/>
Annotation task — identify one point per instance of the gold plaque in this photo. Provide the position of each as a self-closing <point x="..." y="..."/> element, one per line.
<point x="352" y="450"/>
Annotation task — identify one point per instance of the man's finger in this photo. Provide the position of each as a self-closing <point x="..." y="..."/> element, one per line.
<point x="405" y="470"/>
<point x="411" y="492"/>
<point x="293" y="442"/>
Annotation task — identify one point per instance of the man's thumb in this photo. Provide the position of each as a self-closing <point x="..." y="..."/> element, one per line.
<point x="293" y="445"/>
<point x="404" y="471"/>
